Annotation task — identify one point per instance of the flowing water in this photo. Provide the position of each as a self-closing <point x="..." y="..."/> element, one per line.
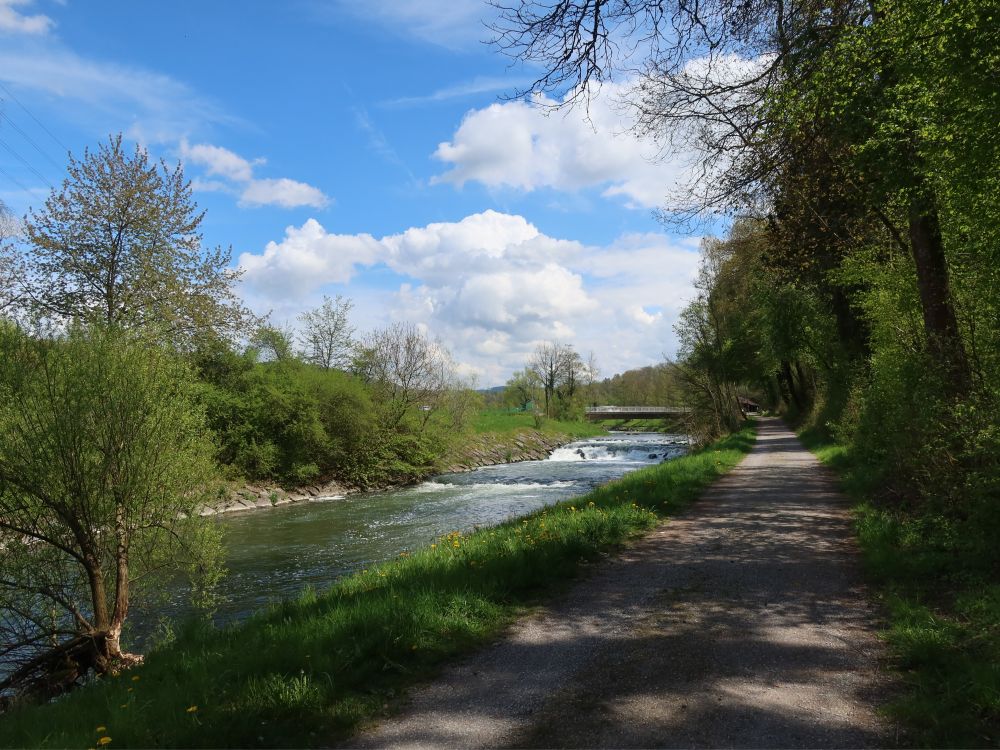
<point x="273" y="554"/>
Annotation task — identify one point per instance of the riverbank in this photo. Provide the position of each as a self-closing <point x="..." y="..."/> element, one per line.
<point x="311" y="670"/>
<point x="513" y="442"/>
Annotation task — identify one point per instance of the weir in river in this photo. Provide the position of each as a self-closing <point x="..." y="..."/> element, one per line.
<point x="273" y="554"/>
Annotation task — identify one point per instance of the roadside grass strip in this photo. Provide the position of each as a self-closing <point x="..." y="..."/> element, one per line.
<point x="312" y="670"/>
<point x="943" y="612"/>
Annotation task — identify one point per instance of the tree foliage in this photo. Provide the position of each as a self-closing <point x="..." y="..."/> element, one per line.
<point x="120" y="244"/>
<point x="104" y="461"/>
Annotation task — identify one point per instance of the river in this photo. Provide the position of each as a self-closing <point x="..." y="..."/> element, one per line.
<point x="272" y="554"/>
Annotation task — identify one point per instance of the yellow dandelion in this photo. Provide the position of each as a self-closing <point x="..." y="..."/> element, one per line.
<point x="434" y="546"/>
<point x="101" y="729"/>
<point x="191" y="709"/>
<point x="135" y="678"/>
<point x="104" y="741"/>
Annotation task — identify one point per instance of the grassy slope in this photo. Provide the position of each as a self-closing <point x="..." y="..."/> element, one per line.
<point x="503" y="423"/>
<point x="310" y="671"/>
<point x="644" y="425"/>
<point x="944" y="618"/>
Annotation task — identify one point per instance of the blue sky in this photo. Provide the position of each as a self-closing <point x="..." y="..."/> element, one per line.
<point x="365" y="149"/>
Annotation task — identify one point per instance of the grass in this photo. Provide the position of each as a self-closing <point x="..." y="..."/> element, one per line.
<point x="644" y="425"/>
<point x="943" y="612"/>
<point x="310" y="671"/>
<point x="501" y="422"/>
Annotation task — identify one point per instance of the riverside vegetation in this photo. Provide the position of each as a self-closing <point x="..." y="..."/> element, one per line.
<point x="309" y="671"/>
<point x="136" y="390"/>
<point x="855" y="144"/>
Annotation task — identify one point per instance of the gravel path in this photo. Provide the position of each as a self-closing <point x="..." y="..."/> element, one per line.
<point x="741" y="623"/>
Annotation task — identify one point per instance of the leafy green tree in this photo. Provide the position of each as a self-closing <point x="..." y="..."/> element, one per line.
<point x="104" y="463"/>
<point x="120" y="244"/>
<point x="521" y="389"/>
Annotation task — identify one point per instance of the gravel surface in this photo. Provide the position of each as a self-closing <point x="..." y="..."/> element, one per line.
<point x="741" y="623"/>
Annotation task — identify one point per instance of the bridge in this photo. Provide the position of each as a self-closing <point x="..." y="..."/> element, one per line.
<point x="597" y="413"/>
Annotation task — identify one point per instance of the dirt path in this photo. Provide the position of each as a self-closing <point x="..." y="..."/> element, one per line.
<point x="741" y="623"/>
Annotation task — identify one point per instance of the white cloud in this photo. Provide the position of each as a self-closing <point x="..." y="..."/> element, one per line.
<point x="222" y="162"/>
<point x="453" y="24"/>
<point x="282" y="192"/>
<point x="218" y="161"/>
<point x="307" y="258"/>
<point x="104" y="95"/>
<point x="527" y="146"/>
<point x="478" y="85"/>
<point x="491" y="286"/>
<point x="14" y="22"/>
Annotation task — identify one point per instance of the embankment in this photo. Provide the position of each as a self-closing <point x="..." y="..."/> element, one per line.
<point x="480" y="450"/>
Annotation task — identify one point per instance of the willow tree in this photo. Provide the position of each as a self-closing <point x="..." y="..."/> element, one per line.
<point x="120" y="244"/>
<point x="104" y="461"/>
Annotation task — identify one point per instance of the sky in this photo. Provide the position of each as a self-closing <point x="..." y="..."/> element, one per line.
<point x="376" y="150"/>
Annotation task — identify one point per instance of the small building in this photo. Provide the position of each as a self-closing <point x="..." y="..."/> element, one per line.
<point x="748" y="406"/>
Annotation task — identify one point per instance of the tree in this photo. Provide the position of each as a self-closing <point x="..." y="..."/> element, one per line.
<point x="560" y="371"/>
<point x="104" y="462"/>
<point x="120" y="243"/>
<point x="327" y="333"/>
<point x="10" y="263"/>
<point x="751" y="87"/>
<point x="521" y="388"/>
<point x="407" y="371"/>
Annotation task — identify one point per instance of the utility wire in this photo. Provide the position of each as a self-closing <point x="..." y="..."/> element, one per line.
<point x="37" y="121"/>
<point x="26" y="163"/>
<point x="28" y="138"/>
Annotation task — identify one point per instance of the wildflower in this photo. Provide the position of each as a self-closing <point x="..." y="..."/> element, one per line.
<point x="191" y="709"/>
<point x="123" y="705"/>
<point x="101" y="729"/>
<point x="135" y="678"/>
<point x="433" y="546"/>
<point x="105" y="740"/>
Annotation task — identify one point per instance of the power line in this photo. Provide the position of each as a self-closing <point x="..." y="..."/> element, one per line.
<point x="26" y="163"/>
<point x="28" y="138"/>
<point x="37" y="121"/>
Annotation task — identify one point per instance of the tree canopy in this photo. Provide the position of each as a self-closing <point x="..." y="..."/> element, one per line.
<point x="119" y="243"/>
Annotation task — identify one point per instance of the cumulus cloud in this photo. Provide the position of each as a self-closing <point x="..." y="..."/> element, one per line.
<point x="218" y="161"/>
<point x="491" y="286"/>
<point x="308" y="257"/>
<point x="239" y="172"/>
<point x="526" y="145"/>
<point x="282" y="192"/>
<point x="13" y="21"/>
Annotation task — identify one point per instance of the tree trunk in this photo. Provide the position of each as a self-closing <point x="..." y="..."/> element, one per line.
<point x="789" y="379"/>
<point x="944" y="340"/>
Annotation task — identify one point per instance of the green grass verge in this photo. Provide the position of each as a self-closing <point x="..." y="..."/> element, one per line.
<point x="643" y="425"/>
<point x="309" y="671"/>
<point x="501" y="422"/>
<point x="943" y="613"/>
